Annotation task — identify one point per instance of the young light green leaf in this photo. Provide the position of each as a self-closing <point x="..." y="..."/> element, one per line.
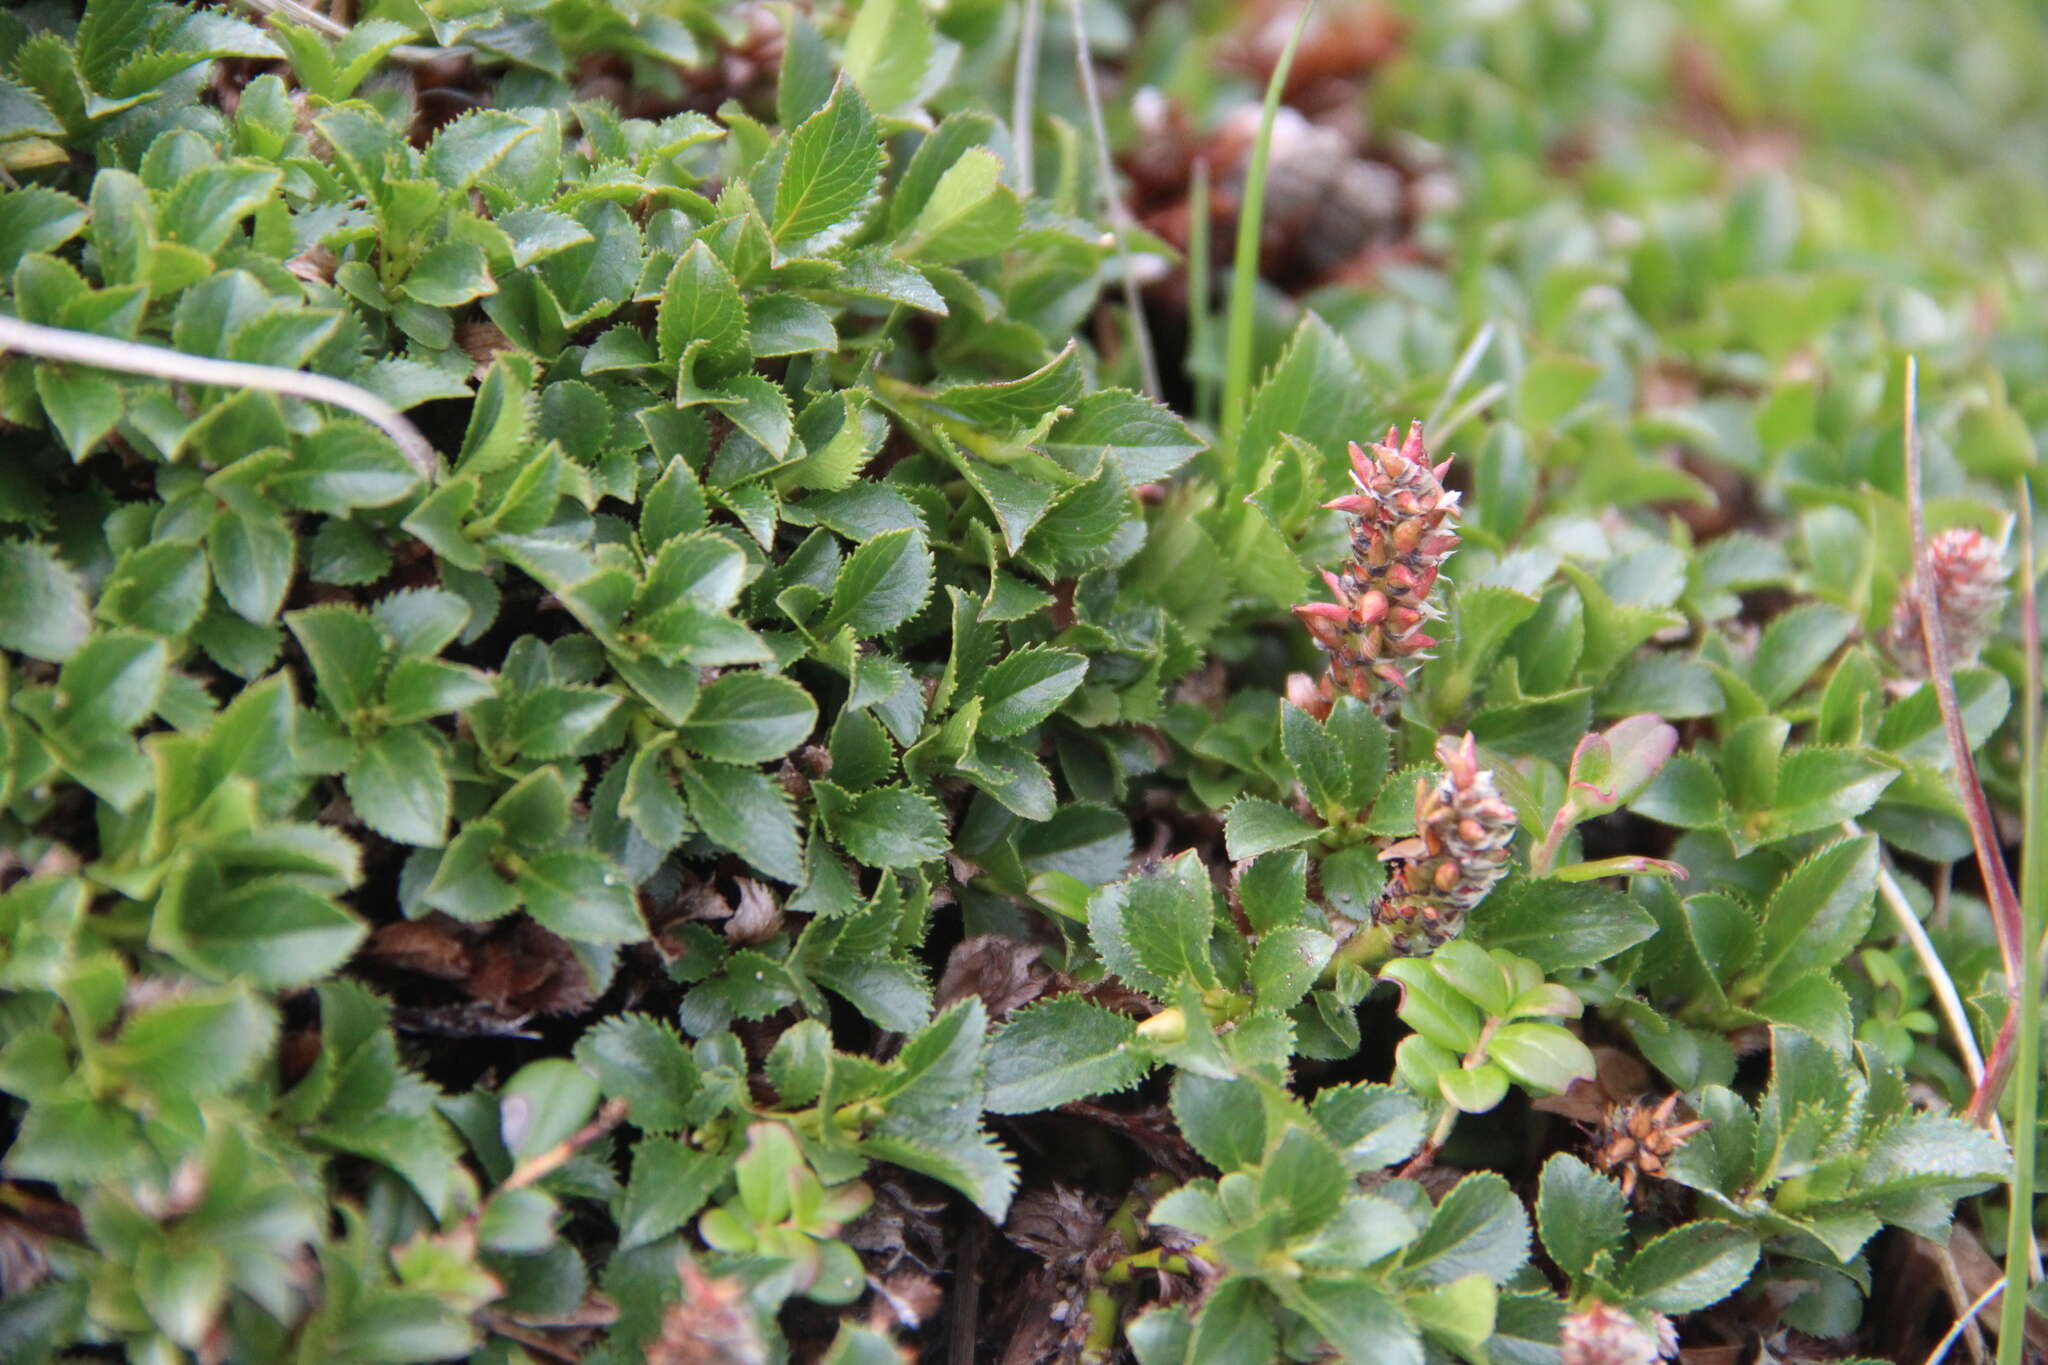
<point x="829" y="175"/>
<point x="701" y="307"/>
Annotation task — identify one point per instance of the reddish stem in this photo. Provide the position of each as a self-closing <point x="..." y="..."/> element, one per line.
<point x="2004" y="900"/>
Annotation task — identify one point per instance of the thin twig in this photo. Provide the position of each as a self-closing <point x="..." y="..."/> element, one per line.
<point x="1119" y="212"/>
<point x="1024" y="90"/>
<point x="1941" y="1348"/>
<point x="307" y="17"/>
<point x="1958" y="1295"/>
<point x="542" y="1164"/>
<point x="1945" y="994"/>
<point x="964" y="1332"/>
<point x="134" y="357"/>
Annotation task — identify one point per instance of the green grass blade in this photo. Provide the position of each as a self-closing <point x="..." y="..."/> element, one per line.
<point x="1201" y="355"/>
<point x="2034" y="912"/>
<point x="1244" y="267"/>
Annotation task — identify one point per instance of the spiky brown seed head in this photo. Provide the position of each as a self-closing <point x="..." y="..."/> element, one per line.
<point x="1374" y="626"/>
<point x="1463" y="827"/>
<point x="1598" y="1335"/>
<point x="1637" y="1139"/>
<point x="1964" y="568"/>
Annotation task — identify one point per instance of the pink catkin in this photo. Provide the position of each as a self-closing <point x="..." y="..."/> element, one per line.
<point x="1459" y="850"/>
<point x="1599" y="1335"/>
<point x="1969" y="591"/>
<point x="1374" y="627"/>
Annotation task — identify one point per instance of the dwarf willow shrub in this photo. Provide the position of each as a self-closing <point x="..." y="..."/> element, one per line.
<point x="494" y="907"/>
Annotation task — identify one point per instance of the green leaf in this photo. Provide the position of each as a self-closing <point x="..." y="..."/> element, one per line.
<point x="701" y="307"/>
<point x="1365" y="1325"/>
<point x="1373" y="1125"/>
<point x="1255" y="826"/>
<point x="251" y="550"/>
<point x="464" y="150"/>
<point x="1551" y="387"/>
<point x="1580" y="1214"/>
<point x="420" y="688"/>
<point x="34" y="218"/>
<point x="1993" y="441"/>
<point x="1153" y="930"/>
<point x="1303" y="1176"/>
<point x="194" y="1045"/>
<point x="347" y="653"/>
<point x="883" y="584"/>
<point x="1477" y="1229"/>
<point x="1473" y="1089"/>
<point x="209" y="204"/>
<point x="1314" y="393"/>
<point x="449" y="275"/>
<point x="580" y="895"/>
<point x="670" y="1182"/>
<point x="741" y="809"/>
<point x="970" y="213"/>
<point x="1019" y="501"/>
<point x="110" y="684"/>
<point x="274" y="932"/>
<point x="1559" y="925"/>
<point x="830" y="175"/>
<point x="1819" y="912"/>
<point x="1058" y="1050"/>
<point x="1145" y="439"/>
<point x="399" y="788"/>
<point x="884" y="827"/>
<point x="641" y="1060"/>
<point x="789" y="324"/>
<point x="887" y="51"/>
<point x="1690" y="1267"/>
<point x="1017" y="404"/>
<point x="83" y="404"/>
<point x="1235" y="1325"/>
<point x="1026" y="687"/>
<point x="1686" y="793"/>
<point x="1286" y="963"/>
<point x="1274" y="891"/>
<point x="1223" y="1119"/>
<point x="23" y="114"/>
<point x="1794" y="646"/>
<point x="749" y="718"/>
<point x="1340" y="762"/>
<point x="109" y="34"/>
<point x="1542" y="1057"/>
<point x="44" y="612"/>
<point x="1912" y="727"/>
<point x="544" y="1104"/>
